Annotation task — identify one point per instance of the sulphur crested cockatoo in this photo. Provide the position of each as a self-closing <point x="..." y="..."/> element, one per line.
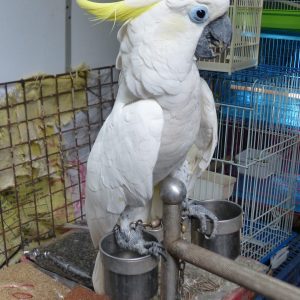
<point x="162" y="108"/>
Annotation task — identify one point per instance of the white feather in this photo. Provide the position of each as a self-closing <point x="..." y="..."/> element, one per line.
<point x="121" y="163"/>
<point x="200" y="155"/>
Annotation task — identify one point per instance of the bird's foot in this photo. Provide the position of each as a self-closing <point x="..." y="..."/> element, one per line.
<point x="131" y="238"/>
<point x="195" y="209"/>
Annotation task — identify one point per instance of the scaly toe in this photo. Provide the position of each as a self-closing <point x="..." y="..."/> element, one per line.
<point x="132" y="240"/>
<point x="155" y="249"/>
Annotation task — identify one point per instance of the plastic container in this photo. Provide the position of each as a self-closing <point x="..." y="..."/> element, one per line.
<point x="213" y="185"/>
<point x="280" y="19"/>
<point x="258" y="163"/>
<point x="289" y="270"/>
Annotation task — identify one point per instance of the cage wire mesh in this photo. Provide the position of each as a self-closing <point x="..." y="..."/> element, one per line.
<point x="280" y="38"/>
<point x="49" y="123"/>
<point x="280" y="44"/>
<point x="282" y="50"/>
<point x="47" y="127"/>
<point x="256" y="160"/>
<point x="242" y="53"/>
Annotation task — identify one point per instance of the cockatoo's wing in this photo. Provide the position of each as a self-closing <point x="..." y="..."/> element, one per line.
<point x="202" y="151"/>
<point x="200" y="154"/>
<point x="207" y="137"/>
<point x="121" y="163"/>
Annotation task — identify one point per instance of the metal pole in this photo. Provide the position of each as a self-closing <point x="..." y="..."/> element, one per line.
<point x="172" y="192"/>
<point x="68" y="28"/>
<point x="230" y="270"/>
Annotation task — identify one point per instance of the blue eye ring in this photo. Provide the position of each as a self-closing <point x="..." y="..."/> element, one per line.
<point x="198" y="14"/>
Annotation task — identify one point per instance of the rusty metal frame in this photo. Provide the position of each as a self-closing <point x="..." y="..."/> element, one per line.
<point x="102" y="84"/>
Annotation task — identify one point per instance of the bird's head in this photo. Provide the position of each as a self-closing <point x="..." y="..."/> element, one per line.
<point x="206" y="20"/>
<point x="209" y="17"/>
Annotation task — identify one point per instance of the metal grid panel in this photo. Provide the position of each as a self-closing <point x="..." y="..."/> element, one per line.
<point x="47" y="127"/>
<point x="258" y="147"/>
<point x="280" y="50"/>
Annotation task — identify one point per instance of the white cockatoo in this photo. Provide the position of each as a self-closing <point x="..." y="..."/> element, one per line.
<point x="162" y="108"/>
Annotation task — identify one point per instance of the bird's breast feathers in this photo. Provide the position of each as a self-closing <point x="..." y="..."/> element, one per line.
<point x="153" y="58"/>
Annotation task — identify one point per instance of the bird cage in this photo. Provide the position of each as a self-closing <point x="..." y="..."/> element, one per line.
<point x="47" y="127"/>
<point x="280" y="44"/>
<point x="242" y="53"/>
<point x="282" y="50"/>
<point x="259" y="146"/>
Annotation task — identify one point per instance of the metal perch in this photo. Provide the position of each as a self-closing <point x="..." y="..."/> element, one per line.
<point x="172" y="193"/>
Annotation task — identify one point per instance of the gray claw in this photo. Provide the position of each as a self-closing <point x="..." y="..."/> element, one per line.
<point x="156" y="249"/>
<point x="132" y="240"/>
<point x="153" y="244"/>
<point x="195" y="209"/>
<point x="202" y="220"/>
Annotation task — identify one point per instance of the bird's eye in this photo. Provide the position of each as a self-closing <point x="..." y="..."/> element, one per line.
<point x="198" y="14"/>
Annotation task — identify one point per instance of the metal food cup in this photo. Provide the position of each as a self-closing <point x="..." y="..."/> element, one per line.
<point x="227" y="240"/>
<point x="128" y="275"/>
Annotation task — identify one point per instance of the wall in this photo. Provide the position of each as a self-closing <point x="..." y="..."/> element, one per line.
<point x="32" y="36"/>
<point x="92" y="43"/>
<point x="33" y="39"/>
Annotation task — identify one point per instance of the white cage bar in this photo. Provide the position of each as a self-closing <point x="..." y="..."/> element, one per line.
<point x="258" y="113"/>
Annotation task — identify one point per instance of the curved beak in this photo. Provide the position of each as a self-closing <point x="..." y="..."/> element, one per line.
<point x="216" y="37"/>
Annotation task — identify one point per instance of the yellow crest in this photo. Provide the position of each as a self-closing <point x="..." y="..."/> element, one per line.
<point x="115" y="11"/>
